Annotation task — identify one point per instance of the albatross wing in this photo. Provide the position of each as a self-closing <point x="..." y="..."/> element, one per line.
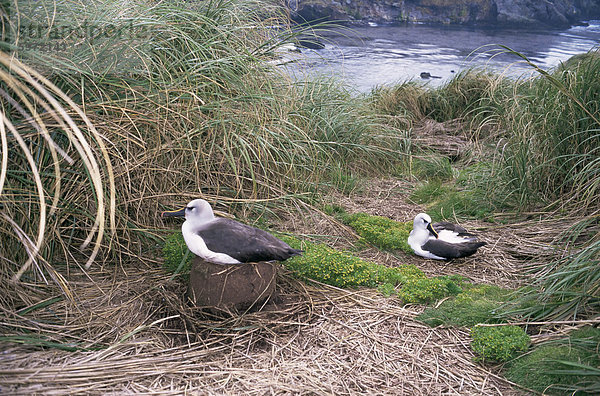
<point x="243" y="242"/>
<point x="450" y="250"/>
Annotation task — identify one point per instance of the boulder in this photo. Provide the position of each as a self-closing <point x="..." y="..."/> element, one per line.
<point x="520" y="13"/>
<point x="534" y="12"/>
<point x="231" y="288"/>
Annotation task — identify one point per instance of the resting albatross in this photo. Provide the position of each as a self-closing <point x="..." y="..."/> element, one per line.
<point x="225" y="241"/>
<point x="441" y="241"/>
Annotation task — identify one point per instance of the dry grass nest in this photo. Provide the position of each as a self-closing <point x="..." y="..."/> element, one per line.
<point x="512" y="246"/>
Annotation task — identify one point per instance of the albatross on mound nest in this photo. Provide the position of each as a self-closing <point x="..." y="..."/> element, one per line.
<point x="225" y="241"/>
<point x="441" y="241"/>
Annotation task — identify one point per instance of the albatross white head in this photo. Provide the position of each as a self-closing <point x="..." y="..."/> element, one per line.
<point x="422" y="227"/>
<point x="422" y="231"/>
<point x="198" y="213"/>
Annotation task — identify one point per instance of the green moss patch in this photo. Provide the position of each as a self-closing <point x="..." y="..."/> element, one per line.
<point x="380" y="231"/>
<point x="342" y="269"/>
<point x="427" y="290"/>
<point x="499" y="344"/>
<point x="177" y="257"/>
<point x="337" y="268"/>
<point x="475" y="304"/>
<point x="333" y="267"/>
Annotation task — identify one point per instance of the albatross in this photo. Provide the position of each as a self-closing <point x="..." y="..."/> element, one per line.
<point x="225" y="241"/>
<point x="441" y="241"/>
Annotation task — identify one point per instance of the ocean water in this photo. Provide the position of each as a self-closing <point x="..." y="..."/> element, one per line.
<point x="366" y="57"/>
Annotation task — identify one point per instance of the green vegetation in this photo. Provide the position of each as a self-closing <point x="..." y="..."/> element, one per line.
<point x="471" y="95"/>
<point x="177" y="257"/>
<point x="474" y="305"/>
<point x="380" y="231"/>
<point x="428" y="290"/>
<point x="193" y="101"/>
<point x="432" y="168"/>
<point x="564" y="367"/>
<point x="342" y="269"/>
<point x="106" y="131"/>
<point x="445" y="200"/>
<point x="569" y="290"/>
<point x="327" y="265"/>
<point x="552" y="126"/>
<point x="500" y="343"/>
<point x="549" y="126"/>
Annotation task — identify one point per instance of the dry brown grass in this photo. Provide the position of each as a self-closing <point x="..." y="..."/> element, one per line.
<point x="318" y="340"/>
<point x="511" y="248"/>
<point x="447" y="138"/>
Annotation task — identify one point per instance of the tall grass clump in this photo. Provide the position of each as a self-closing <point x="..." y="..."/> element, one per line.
<point x="566" y="366"/>
<point x="56" y="180"/>
<point x="473" y="95"/>
<point x="568" y="287"/>
<point x="168" y="101"/>
<point x="205" y="105"/>
<point x="407" y="101"/>
<point x="470" y="95"/>
<point x="552" y="153"/>
<point x="551" y="159"/>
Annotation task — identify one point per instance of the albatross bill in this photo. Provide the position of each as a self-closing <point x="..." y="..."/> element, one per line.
<point x="441" y="241"/>
<point x="226" y="241"/>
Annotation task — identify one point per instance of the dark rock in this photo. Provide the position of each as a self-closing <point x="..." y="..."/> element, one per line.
<point x="426" y="75"/>
<point x="523" y="13"/>
<point x="310" y="43"/>
<point x="319" y="11"/>
<point x="534" y="12"/>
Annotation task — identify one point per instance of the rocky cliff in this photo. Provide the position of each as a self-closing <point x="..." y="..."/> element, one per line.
<point x="555" y="13"/>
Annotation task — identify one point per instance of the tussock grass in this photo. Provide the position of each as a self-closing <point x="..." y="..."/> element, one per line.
<point x="53" y="158"/>
<point x="196" y="109"/>
<point x="567" y="287"/>
<point x="189" y="107"/>
<point x="557" y="370"/>
<point x="550" y="158"/>
<point x="472" y="95"/>
<point x="407" y="101"/>
<point x="551" y="155"/>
